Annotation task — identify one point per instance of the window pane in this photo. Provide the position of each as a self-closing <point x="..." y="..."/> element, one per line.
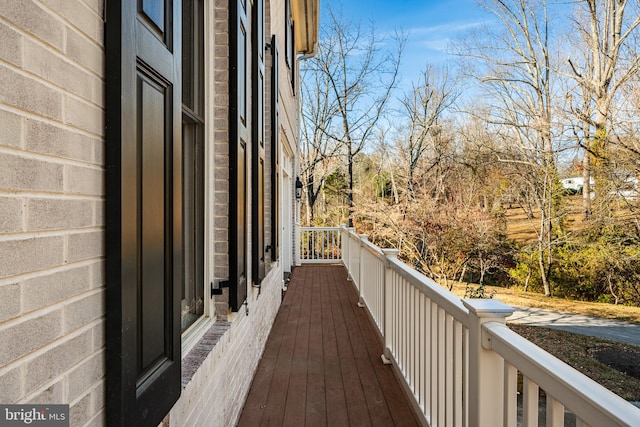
<point x="193" y="55"/>
<point x="192" y="306"/>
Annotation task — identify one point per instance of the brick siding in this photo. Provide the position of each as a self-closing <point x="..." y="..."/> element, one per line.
<point x="52" y="286"/>
<point x="51" y="203"/>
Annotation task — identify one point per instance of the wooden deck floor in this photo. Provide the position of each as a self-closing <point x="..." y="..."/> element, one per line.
<point x="321" y="365"/>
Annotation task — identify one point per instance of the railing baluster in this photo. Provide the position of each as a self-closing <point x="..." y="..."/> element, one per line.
<point x="316" y="254"/>
<point x="333" y="245"/>
<point x="510" y="395"/>
<point x="441" y="367"/>
<point x="405" y="342"/>
<point x="465" y="373"/>
<point x="389" y="286"/>
<point x="324" y="246"/>
<point x="530" y="399"/>
<point x="396" y="316"/>
<point x="449" y="362"/>
<point x="434" y="360"/>
<point x="428" y="349"/>
<point x="416" y="340"/>
<point x="461" y="366"/>
<point x="412" y="342"/>
<point x="422" y="347"/>
<point x="458" y="371"/>
<point x="555" y="412"/>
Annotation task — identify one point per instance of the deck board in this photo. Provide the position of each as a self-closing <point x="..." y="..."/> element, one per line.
<point x="321" y="365"/>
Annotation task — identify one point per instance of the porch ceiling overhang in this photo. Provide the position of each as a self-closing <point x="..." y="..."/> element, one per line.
<point x="307" y="19"/>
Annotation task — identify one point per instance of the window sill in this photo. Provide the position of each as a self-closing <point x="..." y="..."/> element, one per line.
<point x="192" y="335"/>
<point x="197" y="355"/>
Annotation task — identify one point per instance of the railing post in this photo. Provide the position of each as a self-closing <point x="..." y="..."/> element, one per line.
<point x="296" y="244"/>
<point x="387" y="285"/>
<point x="343" y="250"/>
<point x="486" y="367"/>
<point x="363" y="238"/>
<point x="350" y="255"/>
<point x="346" y="250"/>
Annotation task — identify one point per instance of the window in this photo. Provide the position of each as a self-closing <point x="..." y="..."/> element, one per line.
<point x="192" y="296"/>
<point x="275" y="152"/>
<point x="290" y="44"/>
<point x="258" y="145"/>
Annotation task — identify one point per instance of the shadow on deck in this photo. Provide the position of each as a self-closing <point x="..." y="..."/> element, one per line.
<point x="321" y="365"/>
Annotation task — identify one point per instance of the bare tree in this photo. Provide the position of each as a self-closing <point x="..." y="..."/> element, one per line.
<point x="515" y="69"/>
<point x="318" y="149"/>
<point x="424" y="108"/>
<point x="609" y="59"/>
<point x="361" y="70"/>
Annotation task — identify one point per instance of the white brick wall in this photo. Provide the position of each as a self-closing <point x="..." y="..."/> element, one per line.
<point x="51" y="205"/>
<point x="215" y="396"/>
<point x="52" y="295"/>
<point x="220" y="42"/>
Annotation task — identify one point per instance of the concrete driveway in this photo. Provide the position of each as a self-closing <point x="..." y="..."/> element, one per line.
<point x="615" y="330"/>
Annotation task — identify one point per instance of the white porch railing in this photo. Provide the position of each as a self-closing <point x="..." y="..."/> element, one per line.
<point x="320" y="245"/>
<point x="457" y="358"/>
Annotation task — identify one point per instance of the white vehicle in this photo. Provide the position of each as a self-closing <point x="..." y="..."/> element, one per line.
<point x="574" y="184"/>
<point x="625" y="188"/>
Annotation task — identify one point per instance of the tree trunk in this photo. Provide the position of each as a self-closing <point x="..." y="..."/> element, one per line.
<point x="462" y="274"/>
<point x="541" y="256"/>
<point x="394" y="189"/>
<point x="311" y="201"/>
<point x="528" y="279"/>
<point x="350" y="193"/>
<point x="586" y="185"/>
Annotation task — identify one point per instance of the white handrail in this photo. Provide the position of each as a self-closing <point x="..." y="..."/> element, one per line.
<point x="458" y="359"/>
<point x="451" y="303"/>
<point x="586" y="399"/>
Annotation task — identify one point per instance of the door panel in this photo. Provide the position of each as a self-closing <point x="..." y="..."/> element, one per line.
<point x="152" y="280"/>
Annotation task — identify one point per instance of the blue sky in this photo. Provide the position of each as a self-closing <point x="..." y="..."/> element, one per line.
<point x="430" y="26"/>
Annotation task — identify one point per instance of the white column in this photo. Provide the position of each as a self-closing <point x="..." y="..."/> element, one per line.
<point x="486" y="367"/>
<point x="363" y="238"/>
<point x="296" y="249"/>
<point x="388" y="309"/>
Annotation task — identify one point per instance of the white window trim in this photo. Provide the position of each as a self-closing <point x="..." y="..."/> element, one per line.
<point x="194" y="332"/>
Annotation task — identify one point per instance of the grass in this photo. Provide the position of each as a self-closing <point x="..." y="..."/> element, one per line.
<point x="575" y="350"/>
<point x="523" y="229"/>
<point x="578" y="351"/>
<point x="518" y="298"/>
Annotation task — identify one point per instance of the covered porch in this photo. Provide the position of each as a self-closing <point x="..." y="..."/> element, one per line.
<point x="322" y="364"/>
<point x="363" y="339"/>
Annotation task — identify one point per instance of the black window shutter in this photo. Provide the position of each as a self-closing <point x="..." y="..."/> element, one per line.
<point x="275" y="153"/>
<point x="257" y="142"/>
<point x="293" y="57"/>
<point x="238" y="170"/>
<point x="287" y="32"/>
<point x="144" y="201"/>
